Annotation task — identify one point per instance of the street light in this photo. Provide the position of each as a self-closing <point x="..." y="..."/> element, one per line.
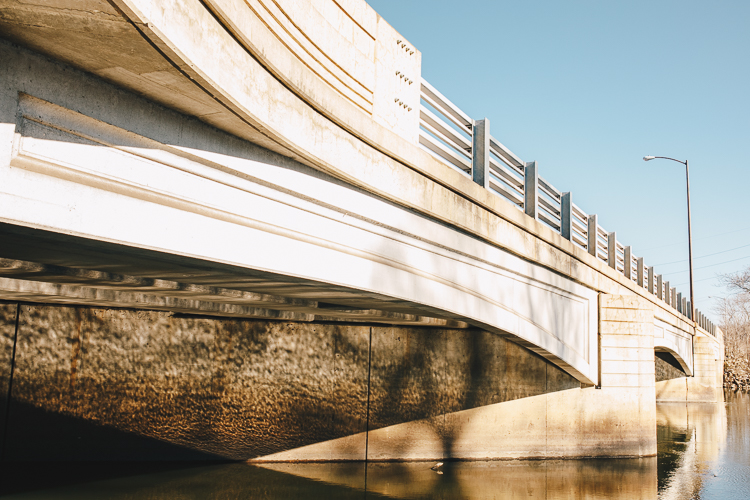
<point x="690" y="237"/>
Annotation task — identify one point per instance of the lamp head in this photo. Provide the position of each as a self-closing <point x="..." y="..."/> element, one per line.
<point x="647" y="158"/>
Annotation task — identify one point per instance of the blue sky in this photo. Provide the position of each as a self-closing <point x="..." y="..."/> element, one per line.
<point x="587" y="88"/>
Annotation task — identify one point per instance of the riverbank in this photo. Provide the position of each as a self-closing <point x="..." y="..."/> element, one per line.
<point x="736" y="372"/>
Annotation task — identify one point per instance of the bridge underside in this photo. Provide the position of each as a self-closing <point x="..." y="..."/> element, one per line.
<point x="175" y="278"/>
<point x="165" y="208"/>
<point x="64" y="269"/>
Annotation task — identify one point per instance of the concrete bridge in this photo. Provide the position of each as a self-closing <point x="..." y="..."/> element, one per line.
<point x="250" y="230"/>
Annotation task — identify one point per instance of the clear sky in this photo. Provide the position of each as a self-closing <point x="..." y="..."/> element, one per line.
<point x="587" y="88"/>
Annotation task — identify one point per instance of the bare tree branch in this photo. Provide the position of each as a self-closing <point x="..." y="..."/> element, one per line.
<point x="738" y="282"/>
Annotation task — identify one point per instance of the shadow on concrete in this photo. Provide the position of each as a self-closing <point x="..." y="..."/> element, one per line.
<point x="39" y="433"/>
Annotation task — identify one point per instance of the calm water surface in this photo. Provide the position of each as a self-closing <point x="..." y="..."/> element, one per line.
<point x="704" y="453"/>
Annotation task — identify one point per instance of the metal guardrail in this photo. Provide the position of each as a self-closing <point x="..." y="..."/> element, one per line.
<point x="448" y="134"/>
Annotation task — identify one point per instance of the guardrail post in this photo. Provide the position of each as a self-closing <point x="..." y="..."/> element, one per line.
<point x="679" y="302"/>
<point x="639" y="270"/>
<point x="673" y="297"/>
<point x="566" y="216"/>
<point x="660" y="286"/>
<point x="592" y="234"/>
<point x="667" y="291"/>
<point x="612" y="250"/>
<point x="531" y="189"/>
<point x="650" y="286"/>
<point x="480" y="153"/>
<point x="627" y="262"/>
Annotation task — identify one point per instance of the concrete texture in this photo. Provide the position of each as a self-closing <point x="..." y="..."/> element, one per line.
<point x="560" y="423"/>
<point x="104" y="384"/>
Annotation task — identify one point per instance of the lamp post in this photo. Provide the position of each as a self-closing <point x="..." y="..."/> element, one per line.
<point x="690" y="236"/>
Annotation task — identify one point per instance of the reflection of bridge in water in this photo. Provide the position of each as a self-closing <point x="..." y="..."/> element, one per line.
<point x="251" y="231"/>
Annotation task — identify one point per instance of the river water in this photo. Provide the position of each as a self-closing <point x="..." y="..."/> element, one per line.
<point x="703" y="453"/>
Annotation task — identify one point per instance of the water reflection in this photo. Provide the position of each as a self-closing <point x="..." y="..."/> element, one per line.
<point x="704" y="449"/>
<point x="606" y="479"/>
<point x="704" y="453"/>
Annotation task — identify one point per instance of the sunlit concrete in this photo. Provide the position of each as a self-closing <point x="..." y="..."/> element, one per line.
<point x="260" y="160"/>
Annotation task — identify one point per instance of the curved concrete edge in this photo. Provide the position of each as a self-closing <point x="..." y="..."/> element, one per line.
<point x="675" y="341"/>
<point x="268" y="105"/>
<point x="439" y="270"/>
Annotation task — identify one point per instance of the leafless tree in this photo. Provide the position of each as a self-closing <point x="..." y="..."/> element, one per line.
<point x="738" y="282"/>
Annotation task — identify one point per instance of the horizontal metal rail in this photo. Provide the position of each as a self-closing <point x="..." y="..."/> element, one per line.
<point x="448" y="134"/>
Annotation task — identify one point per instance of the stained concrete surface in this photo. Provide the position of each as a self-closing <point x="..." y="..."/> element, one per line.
<point x="108" y="384"/>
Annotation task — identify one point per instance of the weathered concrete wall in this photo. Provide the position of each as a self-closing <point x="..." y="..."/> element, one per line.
<point x="122" y="384"/>
<point x="617" y="419"/>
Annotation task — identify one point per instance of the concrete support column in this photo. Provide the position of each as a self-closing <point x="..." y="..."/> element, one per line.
<point x="708" y="360"/>
<point x="626" y="328"/>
